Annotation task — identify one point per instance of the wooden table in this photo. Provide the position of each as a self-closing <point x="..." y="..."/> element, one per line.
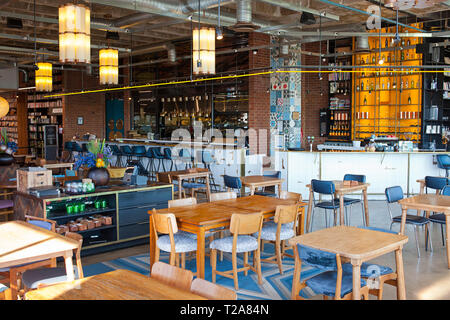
<point x="201" y="218"/>
<point x="423" y="185"/>
<point x="21" y="242"/>
<point x="58" y="165"/>
<point x="254" y="182"/>
<point x="114" y="285"/>
<point x="428" y="203"/>
<point x="191" y="174"/>
<point x="340" y="191"/>
<point x="357" y="245"/>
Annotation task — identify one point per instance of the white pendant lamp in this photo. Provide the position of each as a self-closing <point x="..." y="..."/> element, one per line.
<point x="204" y="50"/>
<point x="4" y="107"/>
<point x="43" y="76"/>
<point x="74" y="34"/>
<point x="109" y="66"/>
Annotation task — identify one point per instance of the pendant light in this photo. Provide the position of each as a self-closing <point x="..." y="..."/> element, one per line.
<point x="43" y="77"/>
<point x="74" y="34"/>
<point x="4" y="107"/>
<point x="203" y="49"/>
<point x="109" y="66"/>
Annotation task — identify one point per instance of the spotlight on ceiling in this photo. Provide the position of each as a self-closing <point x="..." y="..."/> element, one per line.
<point x="219" y="33"/>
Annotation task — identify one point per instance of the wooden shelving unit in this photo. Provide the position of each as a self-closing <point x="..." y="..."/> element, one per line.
<point x="388" y="101"/>
<point x="10" y="120"/>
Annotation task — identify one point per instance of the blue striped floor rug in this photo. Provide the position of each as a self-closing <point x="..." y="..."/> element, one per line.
<point x="274" y="286"/>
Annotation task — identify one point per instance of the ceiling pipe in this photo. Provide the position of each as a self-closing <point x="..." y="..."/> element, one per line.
<point x="299" y="8"/>
<point x="132" y="20"/>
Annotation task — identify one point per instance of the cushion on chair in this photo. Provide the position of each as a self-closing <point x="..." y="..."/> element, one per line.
<point x="245" y="243"/>
<point x="412" y="219"/>
<point x="33" y="277"/>
<point x="325" y="283"/>
<point x="269" y="231"/>
<point x="438" y="218"/>
<point x="193" y="185"/>
<point x="350" y="200"/>
<point x="187" y="234"/>
<point x="41" y="224"/>
<point x="3" y="287"/>
<point x="183" y="243"/>
<point x="328" y="205"/>
<point x="368" y="270"/>
<point x="6" y="204"/>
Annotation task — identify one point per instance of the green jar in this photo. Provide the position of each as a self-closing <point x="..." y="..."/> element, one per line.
<point x="104" y="204"/>
<point x="82" y="207"/>
<point x="69" y="209"/>
<point x="97" y="204"/>
<point x="76" y="208"/>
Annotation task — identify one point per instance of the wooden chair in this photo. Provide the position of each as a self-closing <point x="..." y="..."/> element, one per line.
<point x="211" y="290"/>
<point x="278" y="231"/>
<point x="171" y="275"/>
<point x="43" y="277"/>
<point x="166" y="178"/>
<point x="332" y="282"/>
<point x="286" y="195"/>
<point x="222" y="196"/>
<point x="13" y="274"/>
<point x="182" y="202"/>
<point x="242" y="226"/>
<point x="6" y="203"/>
<point x="5" y="293"/>
<point x="166" y="224"/>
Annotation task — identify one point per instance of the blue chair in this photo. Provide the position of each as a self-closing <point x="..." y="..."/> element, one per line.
<point x="232" y="183"/>
<point x="185" y="156"/>
<point x="127" y="152"/>
<point x="439" y="218"/>
<point x="207" y="160"/>
<point x="68" y="146"/>
<point x="160" y="157"/>
<point x="168" y="156"/>
<point x="77" y="148"/>
<point x="325" y="187"/>
<point x="269" y="191"/>
<point x="435" y="183"/>
<point x="84" y="148"/>
<point x="362" y="179"/>
<point x="333" y="281"/>
<point x="393" y="195"/>
<point x="443" y="162"/>
<point x="151" y="167"/>
<point x="49" y="276"/>
<point x="118" y="153"/>
<point x="139" y="153"/>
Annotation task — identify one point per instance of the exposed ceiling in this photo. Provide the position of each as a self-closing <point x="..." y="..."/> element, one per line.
<point x="146" y="24"/>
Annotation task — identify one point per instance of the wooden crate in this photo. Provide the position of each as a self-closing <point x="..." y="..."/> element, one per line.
<point x="31" y="179"/>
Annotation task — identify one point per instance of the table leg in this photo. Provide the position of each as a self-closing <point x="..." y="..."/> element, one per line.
<point x="447" y="232"/>
<point x="402" y="225"/>
<point x="366" y="206"/>
<point x="401" y="292"/>
<point x="279" y="190"/>
<point x="69" y="266"/>
<point x="208" y="191"/>
<point x="356" y="281"/>
<point x="301" y="221"/>
<point x="310" y="204"/>
<point x="201" y="253"/>
<point x="422" y="188"/>
<point x="152" y="243"/>
<point x="180" y="187"/>
<point x="341" y="210"/>
<point x="252" y="190"/>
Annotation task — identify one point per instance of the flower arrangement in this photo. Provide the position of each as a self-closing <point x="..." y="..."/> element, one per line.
<point x="7" y="145"/>
<point x="98" y="156"/>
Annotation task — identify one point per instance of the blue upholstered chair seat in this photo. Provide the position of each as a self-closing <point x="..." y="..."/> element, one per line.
<point x="41" y="224"/>
<point x="183" y="243"/>
<point x="438" y="218"/>
<point x="245" y="243"/>
<point x="368" y="269"/>
<point x="193" y="185"/>
<point x="266" y="194"/>
<point x="187" y="234"/>
<point x="328" y="205"/>
<point x="412" y="219"/>
<point x="269" y="231"/>
<point x="32" y="278"/>
<point x="3" y="287"/>
<point x="349" y="200"/>
<point x="325" y="283"/>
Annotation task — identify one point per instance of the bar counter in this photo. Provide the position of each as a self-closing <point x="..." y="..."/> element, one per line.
<point x="382" y="169"/>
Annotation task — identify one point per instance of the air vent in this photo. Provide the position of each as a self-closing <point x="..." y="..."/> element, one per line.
<point x="244" y="17"/>
<point x="307" y="18"/>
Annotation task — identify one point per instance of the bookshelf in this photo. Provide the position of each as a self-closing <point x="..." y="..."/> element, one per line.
<point x="9" y="122"/>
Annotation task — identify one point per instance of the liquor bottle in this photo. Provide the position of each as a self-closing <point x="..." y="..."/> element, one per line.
<point x="389" y="84"/>
<point x="409" y="100"/>
<point x="365" y="100"/>
<point x="412" y="84"/>
<point x="408" y="43"/>
<point x="382" y="85"/>
<point x="403" y="42"/>
<point x="406" y="84"/>
<point x="362" y="85"/>
<point x="386" y="44"/>
<point x="403" y="56"/>
<point x="373" y="59"/>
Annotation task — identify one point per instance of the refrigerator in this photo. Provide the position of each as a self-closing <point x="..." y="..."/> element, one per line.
<point x="51" y="142"/>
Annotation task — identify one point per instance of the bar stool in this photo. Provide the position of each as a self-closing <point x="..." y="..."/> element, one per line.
<point x="126" y="151"/>
<point x="168" y="156"/>
<point x="77" y="148"/>
<point x="151" y="168"/>
<point x="159" y="156"/>
<point x="185" y="157"/>
<point x="116" y="152"/>
<point x="84" y="148"/>
<point x="139" y="153"/>
<point x="207" y="160"/>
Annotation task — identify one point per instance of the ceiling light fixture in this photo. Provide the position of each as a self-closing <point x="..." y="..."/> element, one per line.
<point x="203" y="49"/>
<point x="43" y="77"/>
<point x="109" y="66"/>
<point x="219" y="28"/>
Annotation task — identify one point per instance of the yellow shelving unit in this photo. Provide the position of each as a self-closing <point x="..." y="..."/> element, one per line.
<point x="387" y="101"/>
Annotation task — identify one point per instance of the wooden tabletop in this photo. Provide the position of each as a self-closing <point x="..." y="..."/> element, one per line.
<point x="427" y="202"/>
<point x="351" y="242"/>
<point x="256" y="203"/>
<point x="21" y="242"/>
<point x="255" y="180"/>
<point x="345" y="189"/>
<point x="189" y="173"/>
<point x="115" y="285"/>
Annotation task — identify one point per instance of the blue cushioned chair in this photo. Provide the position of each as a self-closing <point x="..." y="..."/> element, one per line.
<point x="326" y="188"/>
<point x="435" y="183"/>
<point x="118" y="153"/>
<point x="439" y="218"/>
<point x="35" y="278"/>
<point x="127" y="152"/>
<point x="139" y="153"/>
<point x="171" y="240"/>
<point x="207" y="160"/>
<point x="185" y="156"/>
<point x="168" y="156"/>
<point x="362" y="179"/>
<point x="151" y="166"/>
<point x="443" y="162"/>
<point x="242" y="226"/>
<point x="393" y="195"/>
<point x="232" y="183"/>
<point x="269" y="191"/>
<point x="333" y="282"/>
<point x="84" y="148"/>
<point x="77" y="148"/>
<point x="68" y="146"/>
<point x="160" y="157"/>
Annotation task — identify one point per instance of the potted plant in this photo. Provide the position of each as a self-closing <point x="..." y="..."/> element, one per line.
<point x="95" y="161"/>
<point x="7" y="149"/>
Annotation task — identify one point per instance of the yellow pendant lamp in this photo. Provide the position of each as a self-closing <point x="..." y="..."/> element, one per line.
<point x="4" y="107"/>
<point x="204" y="50"/>
<point x="109" y="66"/>
<point x="74" y="34"/>
<point x="43" y="80"/>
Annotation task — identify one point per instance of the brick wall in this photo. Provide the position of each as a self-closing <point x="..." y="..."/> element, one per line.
<point x="312" y="100"/>
<point x="259" y="96"/>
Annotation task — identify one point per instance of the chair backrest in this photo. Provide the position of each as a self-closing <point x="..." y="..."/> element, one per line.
<point x="287" y="195"/>
<point x="76" y="147"/>
<point x="184" y="153"/>
<point x="222" y="196"/>
<point x="272" y="174"/>
<point x="163" y="177"/>
<point x="41" y="222"/>
<point x="232" y="182"/>
<point x="317" y="258"/>
<point x="207" y="157"/>
<point x="164" y="222"/>
<point x="393" y="194"/>
<point x="68" y="145"/>
<point x="138" y="149"/>
<point x="168" y="153"/>
<point x="78" y="237"/>
<point x="286" y="213"/>
<point x="149" y="153"/>
<point x="211" y="290"/>
<point x="182" y="202"/>
<point x="446" y="190"/>
<point x="436" y="183"/>
<point x="443" y="160"/>
<point x="323" y="186"/>
<point x="125" y="149"/>
<point x="172" y="275"/>
<point x="246" y="223"/>
<point x="355" y="177"/>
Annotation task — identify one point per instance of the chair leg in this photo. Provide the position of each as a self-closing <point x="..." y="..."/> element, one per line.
<point x="235" y="276"/>
<point x="213" y="260"/>
<point x="442" y="235"/>
<point x="363" y="214"/>
<point x="257" y="255"/>
<point x="416" y="231"/>
<point x="278" y="254"/>
<point x="245" y="263"/>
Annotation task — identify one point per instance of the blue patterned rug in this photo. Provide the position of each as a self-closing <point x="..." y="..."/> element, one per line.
<point x="274" y="286"/>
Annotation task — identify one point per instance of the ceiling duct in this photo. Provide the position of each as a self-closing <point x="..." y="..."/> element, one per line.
<point x="307" y="18"/>
<point x="244" y="17"/>
<point x="362" y="44"/>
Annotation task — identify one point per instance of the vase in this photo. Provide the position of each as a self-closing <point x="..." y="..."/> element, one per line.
<point x="100" y="176"/>
<point x="6" y="159"/>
